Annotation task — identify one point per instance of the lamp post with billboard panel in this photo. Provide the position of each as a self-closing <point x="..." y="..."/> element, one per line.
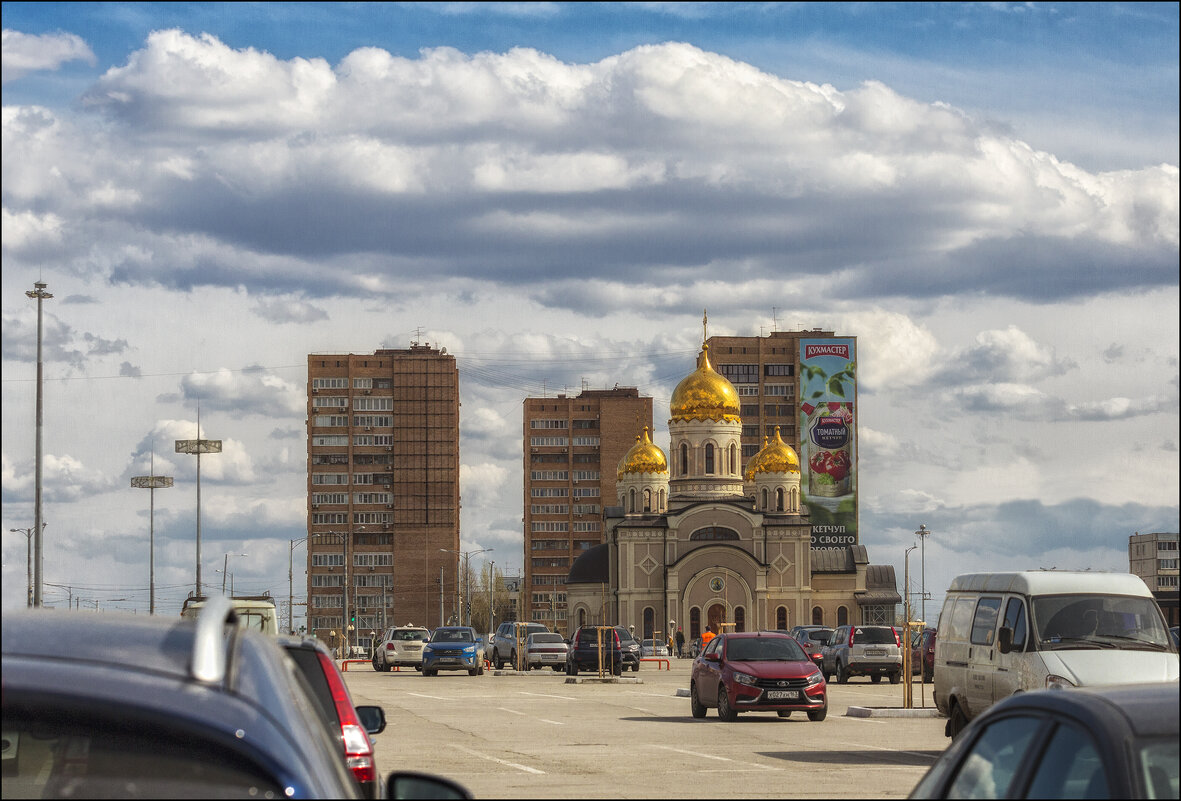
<point x="152" y="483"/>
<point x="198" y="446"/>
<point x="41" y="295"/>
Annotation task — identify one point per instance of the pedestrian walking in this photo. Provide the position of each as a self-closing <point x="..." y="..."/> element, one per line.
<point x="680" y="642"/>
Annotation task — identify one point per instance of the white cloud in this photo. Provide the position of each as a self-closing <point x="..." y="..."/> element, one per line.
<point x="24" y="53"/>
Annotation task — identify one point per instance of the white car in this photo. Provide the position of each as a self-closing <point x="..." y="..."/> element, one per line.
<point x="545" y="650"/>
<point x="653" y="648"/>
<point x="401" y="645"/>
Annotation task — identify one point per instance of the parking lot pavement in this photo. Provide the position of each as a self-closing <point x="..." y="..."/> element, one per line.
<point x="535" y="736"/>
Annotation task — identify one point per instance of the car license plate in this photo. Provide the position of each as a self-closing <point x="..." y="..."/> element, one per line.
<point x="875" y="652"/>
<point x="782" y="695"/>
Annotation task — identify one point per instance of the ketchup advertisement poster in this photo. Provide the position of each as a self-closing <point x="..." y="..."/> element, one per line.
<point x="828" y="439"/>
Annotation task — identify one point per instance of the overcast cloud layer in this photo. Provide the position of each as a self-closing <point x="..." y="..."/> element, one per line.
<point x="207" y="215"/>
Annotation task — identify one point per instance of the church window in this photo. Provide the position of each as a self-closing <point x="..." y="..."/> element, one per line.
<point x="733" y="458"/>
<point x="632" y="496"/>
<point x="581" y="617"/>
<point x="709" y="458"/>
<point x="842" y="615"/>
<point x="763" y="506"/>
<point x="684" y="459"/>
<point x="714" y="533"/>
<point x="781" y="617"/>
<point x="647" y="500"/>
<point x="660" y="501"/>
<point x="649" y="622"/>
<point x="779" y="499"/>
<point x="740" y="618"/>
<point x="817" y="616"/>
<point x="694" y="623"/>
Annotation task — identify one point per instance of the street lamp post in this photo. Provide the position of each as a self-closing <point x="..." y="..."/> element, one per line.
<point x="152" y="482"/>
<point x="467" y="598"/>
<point x="290" y="589"/>
<point x="491" y="596"/>
<point x="41" y="295"/>
<point x="225" y="565"/>
<point x="198" y="446"/>
<point x="907" y="697"/>
<point x="28" y="532"/>
<point x="922" y="534"/>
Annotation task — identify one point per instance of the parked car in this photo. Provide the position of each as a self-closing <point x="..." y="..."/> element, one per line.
<point x="592" y="646"/>
<point x="1041" y="629"/>
<point x="351" y="726"/>
<point x="653" y="648"/>
<point x="812" y="640"/>
<point x="922" y="653"/>
<point x="756" y="672"/>
<point x="401" y="646"/>
<point x="545" y="649"/>
<point x="873" y="651"/>
<point x="510" y="637"/>
<point x="629" y="647"/>
<point x="1115" y="741"/>
<point x="453" y="648"/>
<point x="156" y="707"/>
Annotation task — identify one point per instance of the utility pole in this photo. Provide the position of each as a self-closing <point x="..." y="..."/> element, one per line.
<point x="41" y="295"/>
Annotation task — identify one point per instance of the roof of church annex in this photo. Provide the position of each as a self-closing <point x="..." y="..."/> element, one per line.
<point x="705" y="394"/>
<point x="591" y="567"/>
<point x="643" y="457"/>
<point x="774" y="457"/>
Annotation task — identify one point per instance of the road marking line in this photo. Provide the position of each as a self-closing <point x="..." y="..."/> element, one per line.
<point x="547" y="695"/>
<point x="435" y="697"/>
<point x="754" y="765"/>
<point x="555" y="722"/>
<point x="513" y="711"/>
<point x="525" y="768"/>
<point x="895" y="751"/>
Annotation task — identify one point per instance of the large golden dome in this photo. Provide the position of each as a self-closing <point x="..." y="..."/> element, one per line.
<point x="643" y="457"/>
<point x="705" y="394"/>
<point x="774" y="457"/>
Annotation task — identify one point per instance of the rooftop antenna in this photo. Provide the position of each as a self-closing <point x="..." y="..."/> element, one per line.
<point x="774" y="319"/>
<point x="417" y="336"/>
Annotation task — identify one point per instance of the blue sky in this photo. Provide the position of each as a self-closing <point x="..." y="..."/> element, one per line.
<point x="986" y="195"/>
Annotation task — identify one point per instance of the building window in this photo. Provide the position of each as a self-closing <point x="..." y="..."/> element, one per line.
<point x="549" y="492"/>
<point x="779" y="499"/>
<point x="747" y="389"/>
<point x="553" y="561"/>
<point x="547" y="424"/>
<point x="549" y="475"/>
<point x="328" y="401"/>
<point x="329" y="518"/>
<point x="779" y="390"/>
<point x="586" y="423"/>
<point x="548" y="442"/>
<point x="842" y="615"/>
<point x="586" y="492"/>
<point x="740" y="618"/>
<point x="586" y="475"/>
<point x="373" y="497"/>
<point x="372" y="559"/>
<point x="749" y="410"/>
<point x="549" y="509"/>
<point x="1166" y="582"/>
<point x="334" y="580"/>
<point x="371" y="420"/>
<point x="330" y="420"/>
<point x="649" y="622"/>
<point x="781" y="617"/>
<point x="733" y="467"/>
<point x="779" y="369"/>
<point x="385" y="404"/>
<point x="552" y="527"/>
<point x="330" y="383"/>
<point x="327" y="601"/>
<point x="684" y="459"/>
<point x="322" y="440"/>
<point x="647" y="500"/>
<point x="763" y="505"/>
<point x="329" y="497"/>
<point x="740" y="373"/>
<point x="585" y="441"/>
<point x="694" y="623"/>
<point x="709" y="458"/>
<point x="1166" y="545"/>
<point x="549" y="545"/>
<point x="714" y="533"/>
<point x="817" y="616"/>
<point x="1166" y="564"/>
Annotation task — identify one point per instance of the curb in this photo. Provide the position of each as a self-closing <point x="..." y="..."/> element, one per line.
<point x="604" y="680"/>
<point x="891" y="712"/>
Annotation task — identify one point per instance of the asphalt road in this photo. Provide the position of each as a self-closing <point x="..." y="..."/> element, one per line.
<point x="535" y="736"/>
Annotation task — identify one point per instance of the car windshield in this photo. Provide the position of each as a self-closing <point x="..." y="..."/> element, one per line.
<point x="410" y="636"/>
<point x="452" y="635"/>
<point x="1100" y="621"/>
<point x="874" y="636"/>
<point x="764" y="649"/>
<point x="543" y="638"/>
<point x="820" y="635"/>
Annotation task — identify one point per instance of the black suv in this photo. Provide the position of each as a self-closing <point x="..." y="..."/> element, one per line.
<point x="592" y="646"/>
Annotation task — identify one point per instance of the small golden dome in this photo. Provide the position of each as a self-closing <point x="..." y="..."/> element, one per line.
<point x="643" y="457"/>
<point x="705" y="394"/>
<point x="774" y="457"/>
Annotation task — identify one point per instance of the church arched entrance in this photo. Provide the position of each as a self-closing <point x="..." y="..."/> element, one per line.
<point x="716" y="615"/>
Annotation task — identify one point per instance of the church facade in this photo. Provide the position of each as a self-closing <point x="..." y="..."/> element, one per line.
<point x="698" y="541"/>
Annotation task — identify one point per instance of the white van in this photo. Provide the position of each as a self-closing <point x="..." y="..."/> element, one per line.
<point x="255" y="612"/>
<point x="1004" y="633"/>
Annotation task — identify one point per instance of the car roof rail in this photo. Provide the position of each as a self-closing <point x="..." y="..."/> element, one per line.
<point x="209" y="644"/>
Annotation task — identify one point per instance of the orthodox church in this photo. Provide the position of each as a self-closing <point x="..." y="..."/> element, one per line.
<point x="703" y="543"/>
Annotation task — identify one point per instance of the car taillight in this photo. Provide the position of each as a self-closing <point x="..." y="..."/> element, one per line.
<point x="897" y="639"/>
<point x="850" y="638"/>
<point x="358" y="750"/>
<point x="389" y="646"/>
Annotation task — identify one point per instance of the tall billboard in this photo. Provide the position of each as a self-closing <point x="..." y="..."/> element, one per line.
<point x="828" y="438"/>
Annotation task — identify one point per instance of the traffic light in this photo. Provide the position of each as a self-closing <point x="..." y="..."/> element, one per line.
<point x="352" y="617"/>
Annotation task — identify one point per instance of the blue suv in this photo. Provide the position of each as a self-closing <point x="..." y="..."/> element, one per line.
<point x="453" y="648"/>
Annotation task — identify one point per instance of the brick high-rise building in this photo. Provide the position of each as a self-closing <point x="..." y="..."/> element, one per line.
<point x="383" y="490"/>
<point x="1154" y="557"/>
<point x="573" y="446"/>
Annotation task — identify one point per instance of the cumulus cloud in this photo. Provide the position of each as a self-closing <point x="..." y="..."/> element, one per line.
<point x="1003" y="356"/>
<point x="24" y="53"/>
<point x="254" y="390"/>
<point x="64" y="479"/>
<point x="664" y="161"/>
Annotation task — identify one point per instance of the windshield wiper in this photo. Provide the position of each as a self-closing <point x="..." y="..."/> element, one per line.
<point x="1074" y="641"/>
<point x="1149" y="644"/>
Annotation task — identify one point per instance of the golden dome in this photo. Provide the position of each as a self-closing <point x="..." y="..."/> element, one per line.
<point x="644" y="457"/>
<point x="705" y="394"/>
<point x="774" y="457"/>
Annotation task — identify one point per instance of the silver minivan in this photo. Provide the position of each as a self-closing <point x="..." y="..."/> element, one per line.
<point x="873" y="651"/>
<point x="1003" y="633"/>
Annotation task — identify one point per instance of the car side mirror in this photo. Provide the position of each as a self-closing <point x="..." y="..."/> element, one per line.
<point x="1004" y="640"/>
<point x="408" y="784"/>
<point x="712" y="657"/>
<point x="372" y="718"/>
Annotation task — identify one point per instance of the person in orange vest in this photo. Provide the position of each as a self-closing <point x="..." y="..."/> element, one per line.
<point x="706" y="636"/>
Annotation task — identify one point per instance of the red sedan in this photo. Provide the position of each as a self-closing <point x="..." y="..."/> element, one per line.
<point x="757" y="672"/>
